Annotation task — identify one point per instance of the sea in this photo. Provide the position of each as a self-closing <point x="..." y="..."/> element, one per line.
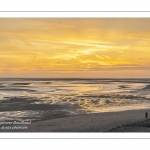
<point x="48" y="98"/>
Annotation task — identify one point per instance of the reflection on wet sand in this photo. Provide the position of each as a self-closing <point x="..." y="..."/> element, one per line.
<point x="38" y="99"/>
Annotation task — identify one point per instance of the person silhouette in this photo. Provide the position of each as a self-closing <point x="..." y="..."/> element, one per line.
<point x="146" y="115"/>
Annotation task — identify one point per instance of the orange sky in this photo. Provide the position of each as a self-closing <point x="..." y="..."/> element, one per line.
<point x="75" y="47"/>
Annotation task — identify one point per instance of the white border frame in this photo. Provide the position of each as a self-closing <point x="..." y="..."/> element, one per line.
<point x="81" y="14"/>
<point x="74" y="14"/>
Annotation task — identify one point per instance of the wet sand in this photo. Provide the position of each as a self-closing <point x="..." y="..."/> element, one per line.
<point x="101" y="122"/>
<point x="142" y="126"/>
<point x="125" y="121"/>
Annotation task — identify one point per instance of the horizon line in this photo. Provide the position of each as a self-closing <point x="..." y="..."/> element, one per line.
<point x="73" y="78"/>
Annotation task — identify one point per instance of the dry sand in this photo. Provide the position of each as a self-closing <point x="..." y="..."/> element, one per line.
<point x="125" y="121"/>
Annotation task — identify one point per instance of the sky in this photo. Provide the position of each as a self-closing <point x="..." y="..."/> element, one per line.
<point x="75" y="47"/>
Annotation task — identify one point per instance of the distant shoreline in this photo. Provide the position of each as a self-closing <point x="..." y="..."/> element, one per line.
<point x="70" y="78"/>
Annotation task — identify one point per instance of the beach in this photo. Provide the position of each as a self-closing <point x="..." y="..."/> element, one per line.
<point x="125" y="121"/>
<point x="101" y="122"/>
<point x="74" y="105"/>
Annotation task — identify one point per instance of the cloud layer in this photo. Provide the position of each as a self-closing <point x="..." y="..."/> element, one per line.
<point x="73" y="47"/>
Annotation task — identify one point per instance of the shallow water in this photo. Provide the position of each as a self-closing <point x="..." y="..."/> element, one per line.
<point x="75" y="96"/>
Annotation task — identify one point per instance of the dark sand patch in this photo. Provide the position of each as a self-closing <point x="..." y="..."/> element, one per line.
<point x="1" y="86"/>
<point x="115" y="96"/>
<point x="46" y="82"/>
<point x="123" y="86"/>
<point x="49" y="111"/>
<point x="17" y="89"/>
<point x="147" y="87"/>
<point x="21" y="83"/>
<point x="142" y="126"/>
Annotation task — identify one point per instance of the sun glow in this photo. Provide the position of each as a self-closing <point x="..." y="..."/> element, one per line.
<point x="66" y="47"/>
